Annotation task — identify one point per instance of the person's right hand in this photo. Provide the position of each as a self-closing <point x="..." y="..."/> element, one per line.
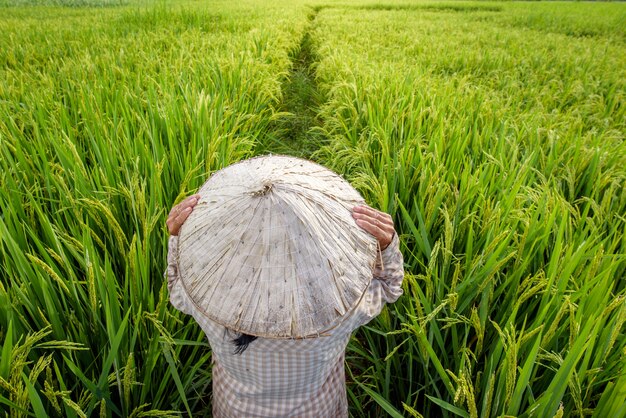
<point x="377" y="223"/>
<point x="179" y="214"/>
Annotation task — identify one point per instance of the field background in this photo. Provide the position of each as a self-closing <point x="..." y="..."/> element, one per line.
<point x="493" y="132"/>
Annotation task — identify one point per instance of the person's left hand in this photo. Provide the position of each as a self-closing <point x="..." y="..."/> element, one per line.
<point x="377" y="223"/>
<point x="179" y="214"/>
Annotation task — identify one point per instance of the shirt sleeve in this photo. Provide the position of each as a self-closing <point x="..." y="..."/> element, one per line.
<point x="178" y="295"/>
<point x="386" y="285"/>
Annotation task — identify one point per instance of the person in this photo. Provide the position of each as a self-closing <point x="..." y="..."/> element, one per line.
<point x="264" y="377"/>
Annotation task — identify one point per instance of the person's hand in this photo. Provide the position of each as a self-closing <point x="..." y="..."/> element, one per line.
<point x="377" y="223"/>
<point x="179" y="214"/>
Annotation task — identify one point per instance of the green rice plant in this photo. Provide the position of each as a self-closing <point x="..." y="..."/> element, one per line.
<point x="62" y="3"/>
<point x="500" y="153"/>
<point x="493" y="132"/>
<point x="106" y="120"/>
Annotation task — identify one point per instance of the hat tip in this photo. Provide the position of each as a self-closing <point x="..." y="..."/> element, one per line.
<point x="265" y="189"/>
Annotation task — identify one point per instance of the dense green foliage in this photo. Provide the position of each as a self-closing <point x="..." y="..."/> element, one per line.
<point x="492" y="132"/>
<point x="501" y="152"/>
<point x="105" y="120"/>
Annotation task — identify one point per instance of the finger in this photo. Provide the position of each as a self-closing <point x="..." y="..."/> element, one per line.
<point x="371" y="228"/>
<point x="364" y="209"/>
<point x="175" y="223"/>
<point x="182" y="216"/>
<point x="190" y="201"/>
<point x="368" y="226"/>
<point x="377" y="223"/>
<point x="175" y="220"/>
<point x="384" y="238"/>
<point x="369" y="211"/>
<point x="382" y="220"/>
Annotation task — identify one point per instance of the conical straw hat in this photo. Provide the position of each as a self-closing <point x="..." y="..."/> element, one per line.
<point x="271" y="249"/>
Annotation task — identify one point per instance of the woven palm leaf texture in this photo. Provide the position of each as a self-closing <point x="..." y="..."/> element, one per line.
<point x="271" y="249"/>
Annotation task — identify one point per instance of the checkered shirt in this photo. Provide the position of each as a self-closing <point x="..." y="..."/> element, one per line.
<point x="287" y="377"/>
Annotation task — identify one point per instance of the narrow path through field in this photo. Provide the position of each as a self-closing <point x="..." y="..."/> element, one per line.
<point x="294" y="133"/>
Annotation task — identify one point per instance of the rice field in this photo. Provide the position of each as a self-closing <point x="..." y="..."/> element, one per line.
<point x="493" y="132"/>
